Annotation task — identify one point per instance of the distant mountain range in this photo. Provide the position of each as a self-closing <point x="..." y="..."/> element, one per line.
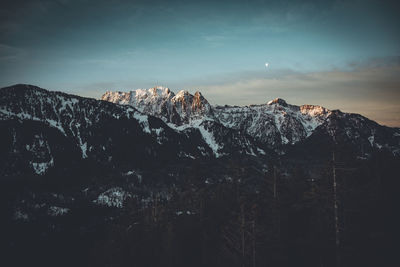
<point x="156" y="123"/>
<point x="275" y="124"/>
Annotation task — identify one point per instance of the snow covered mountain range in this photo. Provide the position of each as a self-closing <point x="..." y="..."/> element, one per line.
<point x="275" y="124"/>
<point x="42" y="129"/>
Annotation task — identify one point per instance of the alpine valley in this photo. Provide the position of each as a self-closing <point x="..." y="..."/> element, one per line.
<point x="153" y="178"/>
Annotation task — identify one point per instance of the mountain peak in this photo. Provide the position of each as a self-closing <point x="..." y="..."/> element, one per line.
<point x="200" y="103"/>
<point x="22" y="86"/>
<point x="314" y="110"/>
<point x="160" y="91"/>
<point x="279" y="101"/>
<point x="182" y="93"/>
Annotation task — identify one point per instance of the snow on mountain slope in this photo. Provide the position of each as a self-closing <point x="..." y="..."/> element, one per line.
<point x="185" y="111"/>
<point x="275" y="123"/>
<point x="71" y="115"/>
<point x="44" y="126"/>
<point x="41" y="126"/>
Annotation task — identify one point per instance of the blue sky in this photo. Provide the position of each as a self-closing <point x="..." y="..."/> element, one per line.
<point x="340" y="54"/>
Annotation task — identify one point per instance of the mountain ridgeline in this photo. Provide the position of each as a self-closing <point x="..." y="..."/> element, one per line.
<point x="275" y="124"/>
<point x="153" y="178"/>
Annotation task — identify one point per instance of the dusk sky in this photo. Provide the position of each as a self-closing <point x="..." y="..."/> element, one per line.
<point x="338" y="54"/>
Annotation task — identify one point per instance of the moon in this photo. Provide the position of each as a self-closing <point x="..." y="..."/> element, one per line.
<point x="266" y="65"/>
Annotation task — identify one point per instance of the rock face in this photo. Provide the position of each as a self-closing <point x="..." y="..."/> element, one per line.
<point x="276" y="124"/>
<point x="178" y="109"/>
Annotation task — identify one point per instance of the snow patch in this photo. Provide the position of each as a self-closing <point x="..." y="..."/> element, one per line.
<point x="158" y="131"/>
<point x="208" y="137"/>
<point x="261" y="151"/>
<point x="84" y="150"/>
<point x="185" y="155"/>
<point x="188" y="212"/>
<point x="57" y="211"/>
<point x="131" y="173"/>
<point x="25" y="116"/>
<point x="20" y="215"/>
<point x="371" y="140"/>
<point x="143" y="120"/>
<point x="113" y="197"/>
<point x="41" y="168"/>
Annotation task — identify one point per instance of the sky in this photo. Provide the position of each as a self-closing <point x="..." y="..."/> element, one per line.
<point x="339" y="54"/>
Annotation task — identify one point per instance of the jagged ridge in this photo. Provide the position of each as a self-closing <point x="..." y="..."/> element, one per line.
<point x="275" y="124"/>
<point x="163" y="103"/>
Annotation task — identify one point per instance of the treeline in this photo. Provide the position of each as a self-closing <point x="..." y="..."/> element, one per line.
<point x="288" y="216"/>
